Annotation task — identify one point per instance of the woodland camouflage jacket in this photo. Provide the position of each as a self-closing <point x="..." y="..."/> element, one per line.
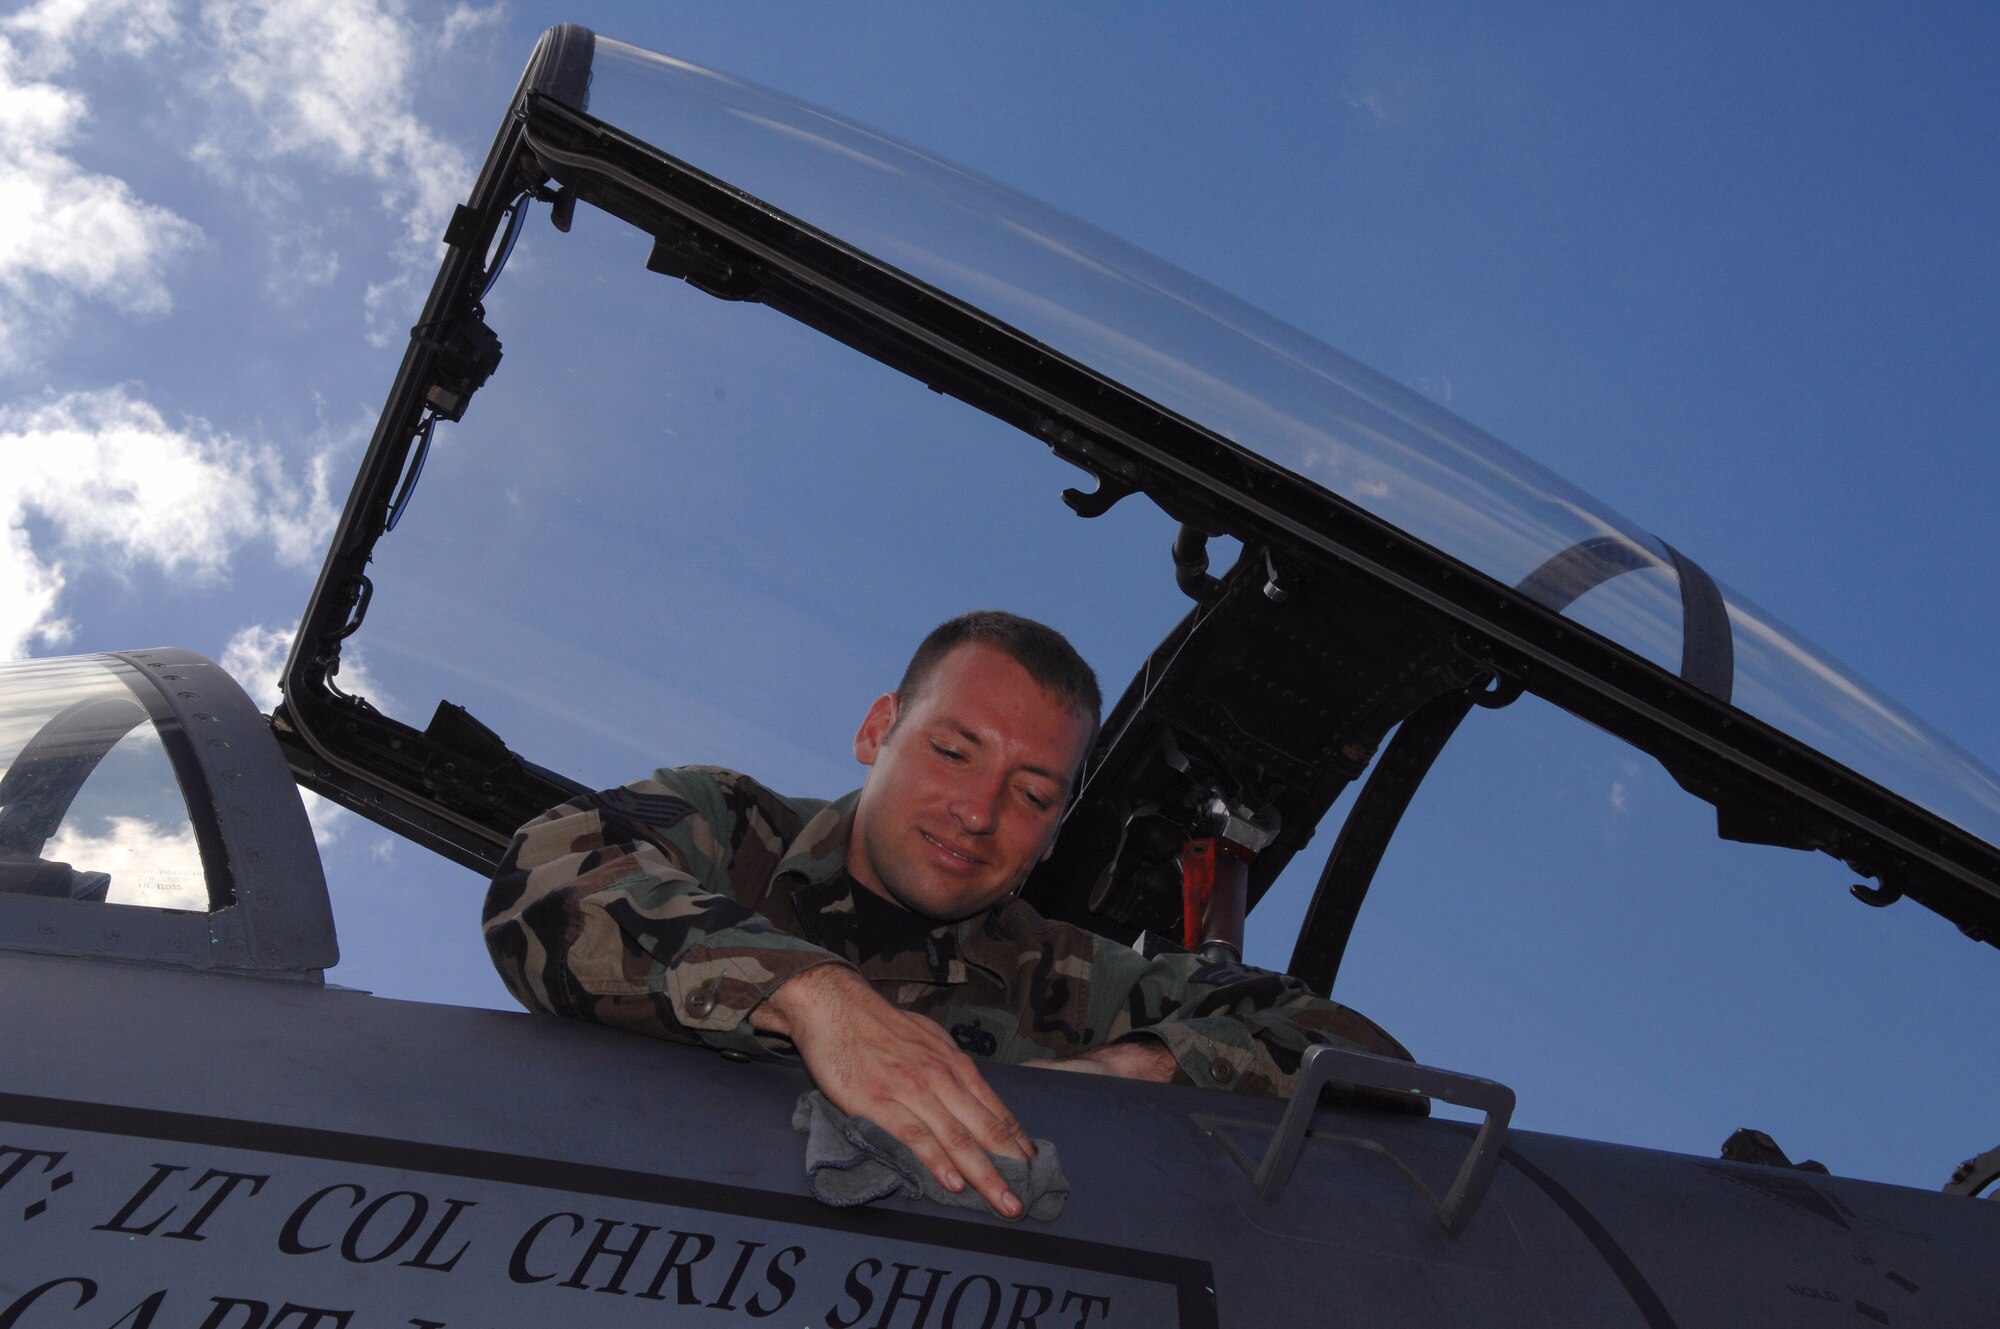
<point x="675" y="905"/>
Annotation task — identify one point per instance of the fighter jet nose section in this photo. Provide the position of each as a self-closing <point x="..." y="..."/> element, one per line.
<point x="146" y="813"/>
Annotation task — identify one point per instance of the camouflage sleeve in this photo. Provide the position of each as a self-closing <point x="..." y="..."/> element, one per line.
<point x="1228" y="1026"/>
<point x="618" y="907"/>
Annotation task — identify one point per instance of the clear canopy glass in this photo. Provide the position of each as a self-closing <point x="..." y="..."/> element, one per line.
<point x="1259" y="383"/>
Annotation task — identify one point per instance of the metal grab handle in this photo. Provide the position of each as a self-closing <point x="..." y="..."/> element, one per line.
<point x="1324" y="1063"/>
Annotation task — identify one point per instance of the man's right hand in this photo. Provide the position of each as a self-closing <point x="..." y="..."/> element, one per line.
<point x="903" y="1072"/>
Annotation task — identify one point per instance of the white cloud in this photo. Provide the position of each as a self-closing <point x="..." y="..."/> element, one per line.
<point x="298" y="514"/>
<point x="29" y="590"/>
<point x="328" y="818"/>
<point x="272" y="97"/>
<point x="1370" y="103"/>
<point x="277" y="85"/>
<point x="256" y="655"/>
<point x="466" y="20"/>
<point x="109" y="480"/>
<point x="330" y="81"/>
<point x="64" y="231"/>
<point x="148" y="864"/>
<point x="1618" y="795"/>
<point x="301" y="260"/>
<point x="131" y="26"/>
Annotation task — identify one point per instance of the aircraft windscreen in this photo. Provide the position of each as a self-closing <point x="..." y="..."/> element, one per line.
<point x="1260" y="384"/>
<point x="90" y="808"/>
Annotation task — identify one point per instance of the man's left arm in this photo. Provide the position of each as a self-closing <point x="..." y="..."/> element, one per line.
<point x="1221" y="1026"/>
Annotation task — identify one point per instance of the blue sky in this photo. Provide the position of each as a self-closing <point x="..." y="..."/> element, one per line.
<point x="1731" y="272"/>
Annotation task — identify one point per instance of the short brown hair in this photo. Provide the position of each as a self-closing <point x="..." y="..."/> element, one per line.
<point x="1045" y="653"/>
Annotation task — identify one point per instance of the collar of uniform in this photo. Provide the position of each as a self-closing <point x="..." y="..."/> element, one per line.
<point x="823" y="894"/>
<point x="818" y="853"/>
<point x="832" y="913"/>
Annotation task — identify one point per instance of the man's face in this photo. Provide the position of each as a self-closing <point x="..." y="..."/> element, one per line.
<point x="966" y="784"/>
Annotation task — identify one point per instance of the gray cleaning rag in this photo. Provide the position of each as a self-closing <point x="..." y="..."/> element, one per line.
<point x="851" y="1160"/>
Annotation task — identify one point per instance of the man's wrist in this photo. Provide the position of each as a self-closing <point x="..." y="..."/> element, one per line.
<point x="792" y="1002"/>
<point x="1140" y="1059"/>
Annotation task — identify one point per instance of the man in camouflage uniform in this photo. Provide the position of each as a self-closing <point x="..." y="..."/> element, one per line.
<point x="879" y="934"/>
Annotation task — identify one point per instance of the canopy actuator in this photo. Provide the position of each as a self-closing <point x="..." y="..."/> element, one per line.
<point x="1225" y="840"/>
<point x="467" y="353"/>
